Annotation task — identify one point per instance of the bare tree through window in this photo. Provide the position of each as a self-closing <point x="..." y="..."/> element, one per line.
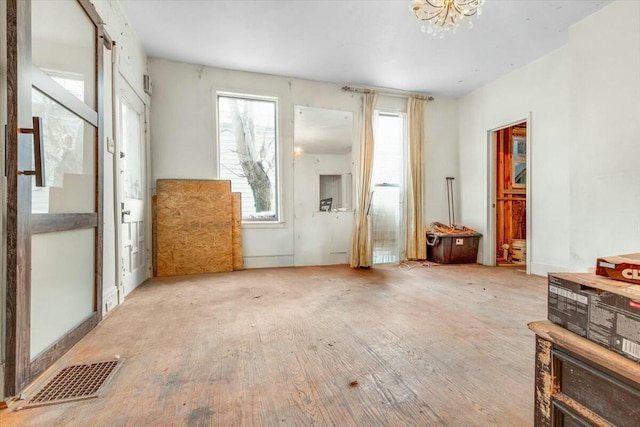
<point x="247" y="150"/>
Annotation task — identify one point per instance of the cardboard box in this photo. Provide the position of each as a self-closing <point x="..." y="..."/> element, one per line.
<point x="621" y="267"/>
<point x="604" y="311"/>
<point x="568" y="305"/>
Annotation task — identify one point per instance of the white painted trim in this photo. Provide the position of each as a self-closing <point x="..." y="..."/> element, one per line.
<point x="110" y="300"/>
<point x="544" y="269"/>
<point x="115" y="171"/>
<point x="489" y="254"/>
<point x="256" y="95"/>
<point x="260" y="224"/>
<point x="529" y="207"/>
<point x="128" y="289"/>
<point x="120" y="82"/>
<point x="141" y="96"/>
<point x="149" y="189"/>
<point x="490" y="235"/>
<point x="269" y="261"/>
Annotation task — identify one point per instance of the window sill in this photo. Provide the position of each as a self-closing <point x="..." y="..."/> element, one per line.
<point x="263" y="224"/>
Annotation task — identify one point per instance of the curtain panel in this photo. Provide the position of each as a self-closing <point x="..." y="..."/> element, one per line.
<point x="361" y="249"/>
<point x="416" y="243"/>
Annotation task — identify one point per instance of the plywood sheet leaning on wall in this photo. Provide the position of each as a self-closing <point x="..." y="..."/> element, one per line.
<point x="194" y="227"/>
<point x="154" y="235"/>
<point x="236" y="230"/>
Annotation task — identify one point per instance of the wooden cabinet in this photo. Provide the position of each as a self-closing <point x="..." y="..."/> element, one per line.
<point x="579" y="383"/>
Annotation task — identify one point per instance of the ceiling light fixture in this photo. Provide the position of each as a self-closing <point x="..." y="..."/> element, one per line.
<point x="445" y="15"/>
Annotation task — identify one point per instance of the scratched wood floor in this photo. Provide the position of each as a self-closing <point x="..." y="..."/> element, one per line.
<point x="430" y="346"/>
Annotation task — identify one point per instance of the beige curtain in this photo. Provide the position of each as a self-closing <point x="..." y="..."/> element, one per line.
<point x="361" y="252"/>
<point x="416" y="244"/>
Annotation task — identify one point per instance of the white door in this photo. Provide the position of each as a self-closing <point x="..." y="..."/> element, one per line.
<point x="132" y="189"/>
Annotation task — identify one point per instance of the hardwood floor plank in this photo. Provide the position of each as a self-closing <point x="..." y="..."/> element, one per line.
<point x="427" y="346"/>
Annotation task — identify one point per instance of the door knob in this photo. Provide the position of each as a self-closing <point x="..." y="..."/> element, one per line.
<point x="126" y="212"/>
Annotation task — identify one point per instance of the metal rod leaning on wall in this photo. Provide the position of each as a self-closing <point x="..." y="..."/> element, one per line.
<point x="450" y="201"/>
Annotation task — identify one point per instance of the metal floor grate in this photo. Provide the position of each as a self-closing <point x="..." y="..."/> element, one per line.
<point x="75" y="383"/>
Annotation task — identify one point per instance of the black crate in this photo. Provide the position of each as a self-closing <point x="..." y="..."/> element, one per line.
<point x="453" y="248"/>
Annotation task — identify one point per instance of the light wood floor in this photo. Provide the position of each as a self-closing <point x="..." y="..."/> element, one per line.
<point x="430" y="346"/>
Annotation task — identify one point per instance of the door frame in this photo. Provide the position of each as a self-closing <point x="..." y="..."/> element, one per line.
<point x="489" y="254"/>
<point x="120" y="80"/>
<point x="20" y="369"/>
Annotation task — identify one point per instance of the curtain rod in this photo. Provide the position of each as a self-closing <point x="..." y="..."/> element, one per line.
<point x="397" y="93"/>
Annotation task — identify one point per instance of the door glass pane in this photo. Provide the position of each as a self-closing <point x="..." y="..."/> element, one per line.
<point x="62" y="284"/>
<point x="132" y="144"/>
<point x="70" y="160"/>
<point x="63" y="46"/>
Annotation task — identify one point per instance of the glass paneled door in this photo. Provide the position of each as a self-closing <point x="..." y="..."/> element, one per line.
<point x="54" y="219"/>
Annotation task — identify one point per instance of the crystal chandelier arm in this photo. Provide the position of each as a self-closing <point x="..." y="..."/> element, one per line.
<point x="433" y="13"/>
<point x="445" y="15"/>
<point x="473" y="7"/>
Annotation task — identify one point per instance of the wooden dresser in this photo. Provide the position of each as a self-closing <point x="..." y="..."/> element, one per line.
<point x="580" y="383"/>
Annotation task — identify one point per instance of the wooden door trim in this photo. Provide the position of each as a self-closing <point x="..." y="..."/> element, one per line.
<point x="51" y="223"/>
<point x="52" y="89"/>
<point x="99" y="190"/>
<point x="18" y="295"/>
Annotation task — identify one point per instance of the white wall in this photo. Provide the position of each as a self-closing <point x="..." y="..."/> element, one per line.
<point x="320" y="237"/>
<point x="605" y="134"/>
<point x="184" y="139"/>
<point x="131" y="58"/>
<point x="441" y="158"/>
<point x="584" y="102"/>
<point x="130" y="66"/>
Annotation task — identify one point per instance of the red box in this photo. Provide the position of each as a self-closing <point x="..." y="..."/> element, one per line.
<point x="622" y="267"/>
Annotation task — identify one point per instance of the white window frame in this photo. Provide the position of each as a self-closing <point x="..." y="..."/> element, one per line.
<point x="253" y="223"/>
<point x="402" y="185"/>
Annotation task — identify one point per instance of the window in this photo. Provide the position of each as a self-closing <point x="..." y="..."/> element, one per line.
<point x="519" y="162"/>
<point x="387" y="156"/>
<point x="387" y="182"/>
<point x="247" y="152"/>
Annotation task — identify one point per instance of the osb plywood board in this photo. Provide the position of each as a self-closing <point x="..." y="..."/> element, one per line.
<point x="236" y="230"/>
<point x="193" y="227"/>
<point x="191" y="186"/>
<point x="154" y="235"/>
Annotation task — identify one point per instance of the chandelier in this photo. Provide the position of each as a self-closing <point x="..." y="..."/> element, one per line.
<point x="445" y="15"/>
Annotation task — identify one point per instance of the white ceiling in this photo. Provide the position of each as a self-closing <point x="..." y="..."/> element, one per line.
<point x="355" y="42"/>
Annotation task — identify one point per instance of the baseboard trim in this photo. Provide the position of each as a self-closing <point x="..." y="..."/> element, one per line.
<point x="539" y="269"/>
<point x="109" y="300"/>
<point x="268" y="261"/>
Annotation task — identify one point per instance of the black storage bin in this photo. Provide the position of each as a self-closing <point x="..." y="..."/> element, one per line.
<point x="453" y="248"/>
